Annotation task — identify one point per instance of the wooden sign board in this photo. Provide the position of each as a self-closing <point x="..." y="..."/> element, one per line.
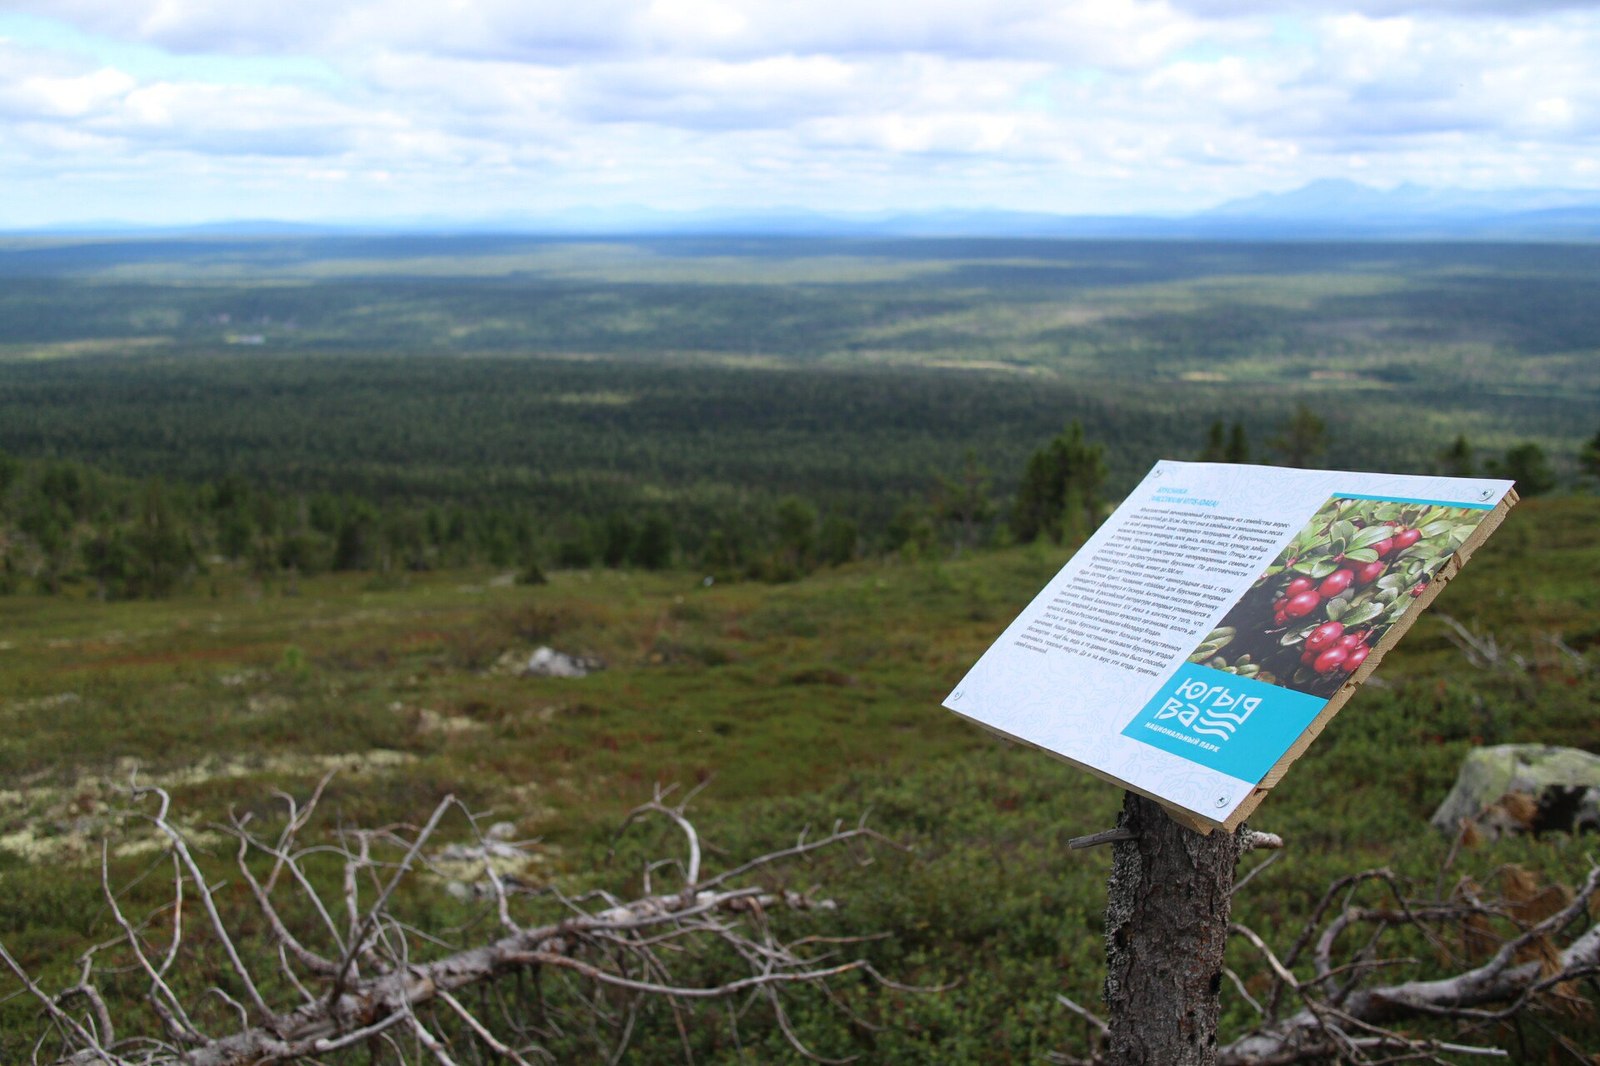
<point x="1210" y="629"/>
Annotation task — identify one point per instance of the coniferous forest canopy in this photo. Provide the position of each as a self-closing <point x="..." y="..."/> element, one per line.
<point x="533" y="401"/>
<point x="298" y="471"/>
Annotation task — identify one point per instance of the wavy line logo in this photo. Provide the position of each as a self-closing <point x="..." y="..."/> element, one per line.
<point x="1235" y="725"/>
<point x="1208" y="710"/>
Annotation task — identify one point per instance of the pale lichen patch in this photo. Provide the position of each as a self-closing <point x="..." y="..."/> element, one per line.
<point x="58" y="823"/>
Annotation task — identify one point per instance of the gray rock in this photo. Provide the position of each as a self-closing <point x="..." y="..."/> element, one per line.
<point x="547" y="662"/>
<point x="1550" y="777"/>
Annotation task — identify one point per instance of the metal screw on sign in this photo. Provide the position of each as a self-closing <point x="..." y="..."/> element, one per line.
<point x="1485" y="494"/>
<point x="1222" y="801"/>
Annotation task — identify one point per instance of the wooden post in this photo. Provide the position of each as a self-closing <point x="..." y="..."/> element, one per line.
<point x="1167" y="903"/>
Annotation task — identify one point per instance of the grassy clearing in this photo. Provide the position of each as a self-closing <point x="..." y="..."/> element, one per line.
<point x="801" y="704"/>
<point x="772" y="691"/>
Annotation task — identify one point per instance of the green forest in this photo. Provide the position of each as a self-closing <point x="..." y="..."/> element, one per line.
<point x="283" y="520"/>
<point x="748" y="407"/>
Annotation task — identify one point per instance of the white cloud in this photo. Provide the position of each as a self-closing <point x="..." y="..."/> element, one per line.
<point x="693" y="24"/>
<point x="424" y="84"/>
<point x="899" y="134"/>
<point x="714" y="94"/>
<point x="65" y="97"/>
<point x="241" y="121"/>
<point x="1396" y="77"/>
<point x="1489" y="9"/>
<point x="1040" y="104"/>
<point x="1115" y="33"/>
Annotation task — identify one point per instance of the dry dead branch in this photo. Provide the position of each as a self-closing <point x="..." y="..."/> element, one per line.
<point x="343" y="970"/>
<point x="1331" y="997"/>
<point x="1481" y="649"/>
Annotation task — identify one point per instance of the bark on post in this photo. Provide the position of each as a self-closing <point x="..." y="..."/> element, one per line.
<point x="1166" y="928"/>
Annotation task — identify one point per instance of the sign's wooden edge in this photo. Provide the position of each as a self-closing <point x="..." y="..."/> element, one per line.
<point x="1487" y="526"/>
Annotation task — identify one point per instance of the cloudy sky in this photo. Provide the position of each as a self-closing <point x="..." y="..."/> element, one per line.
<point x="187" y="110"/>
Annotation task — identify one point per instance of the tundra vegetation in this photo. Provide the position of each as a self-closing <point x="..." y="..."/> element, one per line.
<point x="235" y="568"/>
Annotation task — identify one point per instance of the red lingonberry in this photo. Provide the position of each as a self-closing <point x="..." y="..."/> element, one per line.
<point x="1330" y="660"/>
<point x="1336" y="583"/>
<point x="1367" y="573"/>
<point x="1303" y="604"/>
<point x="1325" y="635"/>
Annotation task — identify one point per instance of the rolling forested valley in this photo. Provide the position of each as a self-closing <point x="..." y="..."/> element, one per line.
<point x="379" y="403"/>
<point x="279" y="508"/>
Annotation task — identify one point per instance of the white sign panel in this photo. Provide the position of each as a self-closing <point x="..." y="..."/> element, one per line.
<point x="1217" y="616"/>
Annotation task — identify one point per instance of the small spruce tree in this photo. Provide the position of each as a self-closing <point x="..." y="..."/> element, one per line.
<point x="1529" y="466"/>
<point x="1456" y="460"/>
<point x="1302" y="438"/>
<point x="1216" y="449"/>
<point x="1060" y="492"/>
<point x="1238" y="450"/>
<point x="1589" y="457"/>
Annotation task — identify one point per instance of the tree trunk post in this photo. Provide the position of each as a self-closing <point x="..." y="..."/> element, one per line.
<point x="1167" y="904"/>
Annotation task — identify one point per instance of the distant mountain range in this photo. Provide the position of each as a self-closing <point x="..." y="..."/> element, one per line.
<point x="1418" y="210"/>
<point x="1322" y="210"/>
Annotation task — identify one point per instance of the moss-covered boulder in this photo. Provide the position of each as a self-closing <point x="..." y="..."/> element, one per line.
<point x="1559" y="788"/>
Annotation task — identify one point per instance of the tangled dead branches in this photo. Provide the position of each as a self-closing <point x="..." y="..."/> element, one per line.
<point x="1535" y="947"/>
<point x="1515" y="959"/>
<point x="341" y="968"/>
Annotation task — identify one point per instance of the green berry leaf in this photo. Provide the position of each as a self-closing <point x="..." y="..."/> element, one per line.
<point x="1361" y="614"/>
<point x="1371" y="535"/>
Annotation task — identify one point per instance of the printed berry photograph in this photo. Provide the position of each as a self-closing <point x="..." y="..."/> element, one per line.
<point x="1354" y="570"/>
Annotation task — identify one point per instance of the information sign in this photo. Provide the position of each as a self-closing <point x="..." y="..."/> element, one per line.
<point x="1213" y="625"/>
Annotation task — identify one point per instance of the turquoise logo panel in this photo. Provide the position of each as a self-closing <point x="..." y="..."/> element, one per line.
<point x="1235" y="725"/>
